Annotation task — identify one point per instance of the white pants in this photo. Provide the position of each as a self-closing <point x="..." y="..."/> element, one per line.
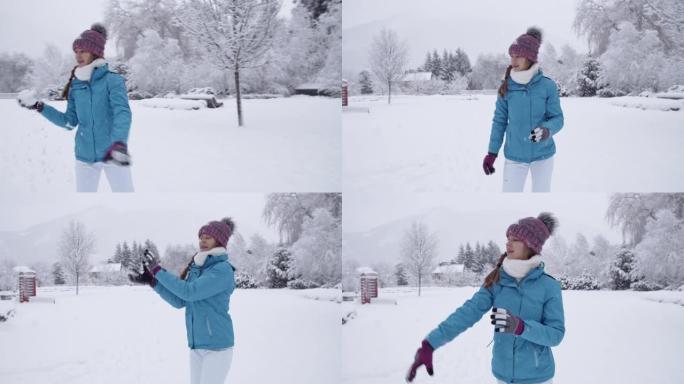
<point x="210" y="367"/>
<point x="88" y="176"/>
<point x="515" y="174"/>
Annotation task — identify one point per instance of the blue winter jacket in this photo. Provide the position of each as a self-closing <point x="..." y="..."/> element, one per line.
<point x="100" y="110"/>
<point x="523" y="108"/>
<point x="537" y="300"/>
<point x="205" y="294"/>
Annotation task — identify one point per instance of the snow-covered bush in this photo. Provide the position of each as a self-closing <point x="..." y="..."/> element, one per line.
<point x="244" y="281"/>
<point x="302" y="284"/>
<point x="645" y="285"/>
<point x="584" y="282"/>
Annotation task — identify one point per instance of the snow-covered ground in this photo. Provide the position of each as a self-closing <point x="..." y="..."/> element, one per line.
<point x="437" y="143"/>
<point x="287" y="144"/>
<point x="130" y="335"/>
<point x="611" y="337"/>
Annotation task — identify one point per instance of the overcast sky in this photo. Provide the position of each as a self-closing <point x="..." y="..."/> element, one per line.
<point x="577" y="212"/>
<point x="483" y="26"/>
<point x="246" y="209"/>
<point x="26" y="26"/>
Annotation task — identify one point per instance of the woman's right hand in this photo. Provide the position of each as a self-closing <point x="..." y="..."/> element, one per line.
<point x="28" y="100"/>
<point x="423" y="357"/>
<point x="488" y="163"/>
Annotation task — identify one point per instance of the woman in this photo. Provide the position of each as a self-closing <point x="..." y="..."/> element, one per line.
<point x="528" y="112"/>
<point x="97" y="103"/>
<point x="204" y="289"/>
<point x="527" y="312"/>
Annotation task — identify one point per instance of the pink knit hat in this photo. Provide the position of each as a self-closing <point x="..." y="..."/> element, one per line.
<point x="219" y="230"/>
<point x="534" y="231"/>
<point x="92" y="40"/>
<point x="527" y="45"/>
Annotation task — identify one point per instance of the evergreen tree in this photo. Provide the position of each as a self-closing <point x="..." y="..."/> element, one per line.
<point x="436" y="65"/>
<point x="588" y="78"/>
<point x="478" y="258"/>
<point x="366" y="83"/>
<point x="460" y="259"/>
<point x="469" y="257"/>
<point x="152" y="247"/>
<point x="427" y="67"/>
<point x="400" y="274"/>
<point x="58" y="273"/>
<point x="127" y="258"/>
<point x="278" y="269"/>
<point x="622" y="273"/>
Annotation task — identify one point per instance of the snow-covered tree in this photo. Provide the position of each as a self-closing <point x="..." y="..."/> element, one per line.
<point x="388" y="57"/>
<point x="287" y="211"/>
<point x="177" y="257"/>
<point x="76" y="245"/>
<point x="58" y="274"/>
<point x="622" y="270"/>
<point x="588" y="78"/>
<point x="366" y="83"/>
<point x="418" y="251"/>
<point x="400" y="275"/>
<point x="255" y="262"/>
<point x="660" y="254"/>
<point x="14" y="71"/>
<point x="245" y="281"/>
<point x="127" y="20"/>
<point x="631" y="211"/>
<point x="318" y="250"/>
<point x="51" y="71"/>
<point x="597" y="20"/>
<point x="157" y="66"/>
<point x="278" y="269"/>
<point x="8" y="280"/>
<point x="235" y="34"/>
<point x="488" y="71"/>
<point x="624" y="65"/>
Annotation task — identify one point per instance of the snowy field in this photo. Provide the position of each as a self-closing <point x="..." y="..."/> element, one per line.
<point x="437" y="143"/>
<point x="611" y="337"/>
<point x="287" y="144"/>
<point x="130" y="335"/>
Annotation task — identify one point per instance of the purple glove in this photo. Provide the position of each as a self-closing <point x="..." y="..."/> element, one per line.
<point x="488" y="163"/>
<point x="423" y="357"/>
<point x="118" y="154"/>
<point x="539" y="134"/>
<point x="505" y="322"/>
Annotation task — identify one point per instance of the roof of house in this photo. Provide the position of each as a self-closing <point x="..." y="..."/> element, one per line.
<point x="109" y="267"/>
<point x="366" y="271"/>
<point x="418" y="76"/>
<point x="449" y="268"/>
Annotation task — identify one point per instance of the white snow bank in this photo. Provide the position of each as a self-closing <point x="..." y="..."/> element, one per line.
<point x="173" y="104"/>
<point x="600" y="346"/>
<point x="114" y="335"/>
<point x="7" y="309"/>
<point x="647" y="103"/>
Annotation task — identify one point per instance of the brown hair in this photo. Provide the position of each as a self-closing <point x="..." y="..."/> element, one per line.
<point x="504" y="86"/>
<point x="184" y="272"/>
<point x="494" y="275"/>
<point x="65" y="92"/>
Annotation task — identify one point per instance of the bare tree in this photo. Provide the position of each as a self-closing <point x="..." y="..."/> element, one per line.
<point x="418" y="251"/>
<point x="234" y="33"/>
<point x="75" y="247"/>
<point x="388" y="58"/>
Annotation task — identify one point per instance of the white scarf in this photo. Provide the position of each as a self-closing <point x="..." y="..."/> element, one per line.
<point x="524" y="77"/>
<point x="83" y="73"/>
<point x="520" y="268"/>
<point x="201" y="257"/>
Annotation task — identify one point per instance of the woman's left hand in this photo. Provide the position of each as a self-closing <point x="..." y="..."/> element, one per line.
<point x="539" y="134"/>
<point x="505" y="322"/>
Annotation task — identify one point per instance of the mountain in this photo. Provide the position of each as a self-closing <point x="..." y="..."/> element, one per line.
<point x="383" y="243"/>
<point x="110" y="226"/>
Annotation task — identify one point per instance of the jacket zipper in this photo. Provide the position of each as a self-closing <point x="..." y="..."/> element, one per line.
<point x="516" y="337"/>
<point x="92" y="119"/>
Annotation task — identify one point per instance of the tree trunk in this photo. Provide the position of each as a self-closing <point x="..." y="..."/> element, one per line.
<point x="419" y="281"/>
<point x="389" y="92"/>
<point x="76" y="283"/>
<point x="238" y="96"/>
